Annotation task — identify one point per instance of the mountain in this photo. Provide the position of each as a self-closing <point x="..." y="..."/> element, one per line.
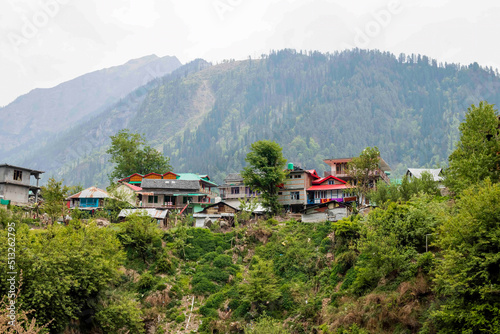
<point x="315" y="105"/>
<point x="47" y="111"/>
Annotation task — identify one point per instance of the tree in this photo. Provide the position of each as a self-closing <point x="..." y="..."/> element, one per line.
<point x="54" y="195"/>
<point x="468" y="275"/>
<point x="64" y="268"/>
<point x="131" y="155"/>
<point x="262" y="287"/>
<point x="265" y="172"/>
<point x="477" y="154"/>
<point x="142" y="235"/>
<point x="362" y="169"/>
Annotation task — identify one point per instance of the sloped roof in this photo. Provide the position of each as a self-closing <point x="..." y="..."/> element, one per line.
<point x="313" y="173"/>
<point x="92" y="192"/>
<point x="233" y="177"/>
<point x="131" y="186"/>
<point x="417" y="172"/>
<point x="193" y="176"/>
<point x="128" y="177"/>
<point x="178" y="184"/>
<point x="327" y="178"/>
<point x="153" y="213"/>
<point x="329" y="187"/>
<point x="219" y="203"/>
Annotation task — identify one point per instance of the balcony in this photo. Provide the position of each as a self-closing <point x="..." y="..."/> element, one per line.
<point x="208" y="192"/>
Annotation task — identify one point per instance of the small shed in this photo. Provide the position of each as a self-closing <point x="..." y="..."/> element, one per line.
<point x="159" y="215"/>
<point x="216" y="212"/>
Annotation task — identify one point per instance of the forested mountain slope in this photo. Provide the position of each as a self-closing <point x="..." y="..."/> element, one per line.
<point x="48" y="111"/>
<point x="315" y="105"/>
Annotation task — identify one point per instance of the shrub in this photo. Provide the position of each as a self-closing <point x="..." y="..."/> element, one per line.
<point x="223" y="261"/>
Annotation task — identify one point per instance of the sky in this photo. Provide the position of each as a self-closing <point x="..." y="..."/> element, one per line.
<point x="46" y="42"/>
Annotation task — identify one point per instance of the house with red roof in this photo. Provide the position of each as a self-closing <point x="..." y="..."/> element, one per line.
<point x="328" y="189"/>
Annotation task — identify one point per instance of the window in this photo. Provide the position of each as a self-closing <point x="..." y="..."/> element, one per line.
<point x="294" y="195"/>
<point x="280" y="193"/>
<point x="18" y="175"/>
<point x="331" y="181"/>
<point x="235" y="191"/>
<point x="297" y="176"/>
<point x="152" y="199"/>
<point x="290" y="176"/>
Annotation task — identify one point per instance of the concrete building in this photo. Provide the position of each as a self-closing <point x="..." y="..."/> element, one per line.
<point x="16" y="183"/>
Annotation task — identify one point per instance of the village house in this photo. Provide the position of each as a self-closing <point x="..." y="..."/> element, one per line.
<point x="293" y="194"/>
<point x="89" y="199"/>
<point x="130" y="192"/>
<point x="186" y="192"/>
<point x="16" y="184"/>
<point x="234" y="189"/>
<point x="160" y="216"/>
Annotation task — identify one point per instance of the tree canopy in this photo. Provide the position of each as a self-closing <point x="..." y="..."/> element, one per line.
<point x="477" y="154"/>
<point x="131" y="155"/>
<point x="265" y="171"/>
<point x="362" y="168"/>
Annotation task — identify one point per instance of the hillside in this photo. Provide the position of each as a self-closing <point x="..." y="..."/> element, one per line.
<point x="315" y="105"/>
<point x="47" y="111"/>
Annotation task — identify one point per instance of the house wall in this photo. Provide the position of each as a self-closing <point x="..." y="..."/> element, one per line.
<point x="294" y="184"/>
<point x="7" y="174"/>
<point x="334" y="214"/>
<point x="17" y="194"/>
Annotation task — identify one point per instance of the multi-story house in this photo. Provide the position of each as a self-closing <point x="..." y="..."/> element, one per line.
<point x="293" y="193"/>
<point x="234" y="189"/>
<point x="188" y="192"/>
<point x="16" y="184"/>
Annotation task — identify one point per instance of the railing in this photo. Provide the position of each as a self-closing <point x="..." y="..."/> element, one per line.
<point x="208" y="192"/>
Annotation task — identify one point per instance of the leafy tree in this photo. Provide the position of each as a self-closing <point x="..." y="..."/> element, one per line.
<point x="117" y="201"/>
<point x="64" y="267"/>
<point x="142" y="235"/>
<point x="362" y="170"/>
<point x="265" y="172"/>
<point x="120" y="313"/>
<point x="468" y="276"/>
<point x="54" y="194"/>
<point x="477" y="154"/>
<point x="408" y="188"/>
<point x="262" y="287"/>
<point x="131" y="155"/>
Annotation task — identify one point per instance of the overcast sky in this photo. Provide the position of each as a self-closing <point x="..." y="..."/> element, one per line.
<point x="46" y="42"/>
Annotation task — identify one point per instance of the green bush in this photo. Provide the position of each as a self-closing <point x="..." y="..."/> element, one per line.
<point x="122" y="314"/>
<point x="223" y="261"/>
<point x="146" y="282"/>
<point x="180" y="318"/>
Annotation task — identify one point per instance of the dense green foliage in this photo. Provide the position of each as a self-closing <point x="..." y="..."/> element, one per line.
<point x="130" y="154"/>
<point x="476" y="157"/>
<point x="265" y="172"/>
<point x="394" y="192"/>
<point x="54" y="195"/>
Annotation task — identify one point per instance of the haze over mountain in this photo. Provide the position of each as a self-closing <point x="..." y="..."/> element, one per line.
<point x="315" y="105"/>
<point x="43" y="112"/>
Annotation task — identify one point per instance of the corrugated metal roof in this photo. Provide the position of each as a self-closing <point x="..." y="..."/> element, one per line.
<point x="417" y="172"/>
<point x="153" y="213"/>
<point x="92" y="192"/>
<point x="329" y="187"/>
